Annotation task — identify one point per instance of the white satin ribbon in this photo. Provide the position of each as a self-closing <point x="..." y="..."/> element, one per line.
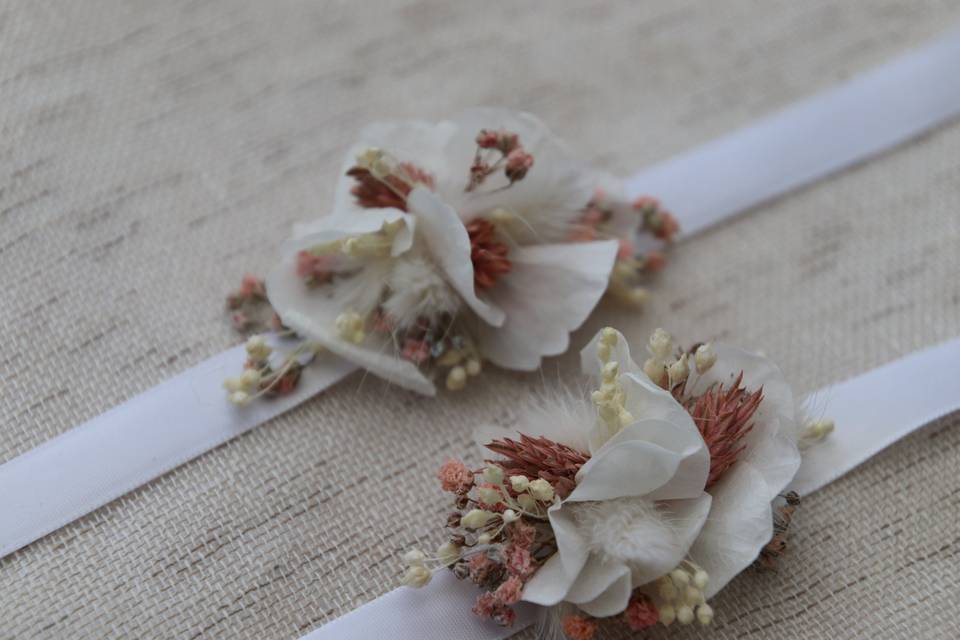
<point x="135" y="442"/>
<point x="872" y="411"/>
<point x="87" y="467"/>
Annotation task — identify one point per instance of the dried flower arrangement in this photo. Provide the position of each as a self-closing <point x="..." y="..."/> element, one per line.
<point x="478" y="239"/>
<point x="637" y="504"/>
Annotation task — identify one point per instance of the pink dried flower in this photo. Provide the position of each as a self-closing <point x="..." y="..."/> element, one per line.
<point x="455" y="477"/>
<point x="522" y="535"/>
<point x="509" y="592"/>
<point x="519" y="162"/>
<point x="316" y="270"/>
<point x="486" y="605"/>
<point x="641" y="613"/>
<point x="579" y="627"/>
<point x="667" y="227"/>
<point x="626" y="249"/>
<point x="646" y="204"/>
<point x="504" y="616"/>
<point x="654" y="261"/>
<point x="487" y="139"/>
<point x="519" y="562"/>
<point x="252" y="287"/>
<point x="416" y="351"/>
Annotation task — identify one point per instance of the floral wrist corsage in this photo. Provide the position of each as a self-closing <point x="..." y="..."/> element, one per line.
<point x="481" y="238"/>
<point x="639" y="502"/>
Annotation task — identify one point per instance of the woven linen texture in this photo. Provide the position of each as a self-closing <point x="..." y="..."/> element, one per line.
<point x="151" y="153"/>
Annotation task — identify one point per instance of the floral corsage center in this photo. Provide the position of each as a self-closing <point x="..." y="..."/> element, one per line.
<point x="478" y="239"/>
<point x="637" y="503"/>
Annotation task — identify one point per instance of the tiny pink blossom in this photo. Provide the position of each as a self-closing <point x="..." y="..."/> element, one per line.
<point x="509" y="592"/>
<point x="487" y="139"/>
<point x="654" y="261"/>
<point x="416" y="351"/>
<point x="522" y="535"/>
<point x="646" y="202"/>
<point x="626" y="249"/>
<point x="251" y="287"/>
<point x="519" y="163"/>
<point x="455" y="477"/>
<point x="518" y="561"/>
<point x="317" y="269"/>
<point x="486" y="605"/>
<point x="641" y="613"/>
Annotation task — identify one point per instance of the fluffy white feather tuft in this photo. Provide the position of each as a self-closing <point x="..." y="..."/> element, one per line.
<point x="417" y="290"/>
<point x="631" y="530"/>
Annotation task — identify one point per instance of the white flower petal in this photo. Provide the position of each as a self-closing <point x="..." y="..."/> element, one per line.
<point x="449" y="246"/>
<point x="339" y="225"/>
<point x="549" y="293"/>
<point x="313" y="313"/>
<point x="602" y="588"/>
<point x="550" y="584"/>
<point x="687" y="518"/>
<point x="739" y="526"/>
<point x="631" y="468"/>
<point x="677" y="433"/>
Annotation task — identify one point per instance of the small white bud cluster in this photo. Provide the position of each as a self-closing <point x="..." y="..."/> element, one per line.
<point x="349" y="326"/>
<point x="610" y="398"/>
<point x="815" y="432"/>
<point x="659" y="347"/>
<point x="682" y="592"/>
<point x="464" y="363"/>
<point x="417" y="574"/>
<point x="243" y="388"/>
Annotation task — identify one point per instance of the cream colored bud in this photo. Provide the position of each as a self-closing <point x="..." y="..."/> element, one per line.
<point x="457" y="379"/>
<point x="417" y="576"/>
<point x="414" y="557"/>
<point x="232" y="384"/>
<point x="680" y="577"/>
<point x="475" y="518"/>
<point x="678" y="371"/>
<point x="667" y="615"/>
<point x="656" y="370"/>
<point x="448" y="553"/>
<point x="541" y="490"/>
<point x="257" y="348"/>
<point x="684" y="614"/>
<point x="484" y="538"/>
<point x="704" y="358"/>
<point x="502" y="216"/>
<point x="660" y="345"/>
<point x="692" y="595"/>
<point x="667" y="590"/>
<point x="510" y="516"/>
<point x="473" y="367"/>
<point x="519" y="483"/>
<point x="239" y="398"/>
<point x="489" y="496"/>
<point x="705" y="614"/>
<point x="701" y="578"/>
<point x="493" y="474"/>
<point x="638" y="296"/>
<point x="250" y="379"/>
<point x="527" y="503"/>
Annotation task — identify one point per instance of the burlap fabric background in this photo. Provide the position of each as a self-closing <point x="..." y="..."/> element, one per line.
<point x="153" y="152"/>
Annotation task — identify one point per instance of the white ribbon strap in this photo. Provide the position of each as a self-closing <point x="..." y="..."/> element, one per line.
<point x="872" y="411"/>
<point x="809" y="140"/>
<point x="135" y="442"/>
<point x="87" y="467"/>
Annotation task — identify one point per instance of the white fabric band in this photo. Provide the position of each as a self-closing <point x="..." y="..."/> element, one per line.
<point x="87" y="467"/>
<point x="134" y="443"/>
<point x="872" y="411"/>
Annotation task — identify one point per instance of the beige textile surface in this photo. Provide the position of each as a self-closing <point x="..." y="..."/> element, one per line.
<point x="151" y="152"/>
